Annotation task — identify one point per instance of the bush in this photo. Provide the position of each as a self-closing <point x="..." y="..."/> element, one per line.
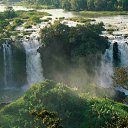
<point x="27" y="25"/>
<point x="35" y="19"/>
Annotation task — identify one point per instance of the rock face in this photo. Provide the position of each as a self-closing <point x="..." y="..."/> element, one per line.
<point x="119" y="96"/>
<point x="19" y="61"/>
<point x="116" y="54"/>
<point x="12" y="57"/>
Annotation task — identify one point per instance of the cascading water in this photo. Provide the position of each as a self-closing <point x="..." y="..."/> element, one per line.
<point x="8" y="69"/>
<point x="116" y="55"/>
<point x="123" y="49"/>
<point x="33" y="61"/>
<point x="106" y="70"/>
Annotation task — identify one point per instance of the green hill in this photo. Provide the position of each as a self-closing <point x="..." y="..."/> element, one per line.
<point x="75" y="110"/>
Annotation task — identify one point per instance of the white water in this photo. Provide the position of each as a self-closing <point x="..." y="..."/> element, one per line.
<point x="106" y="70"/>
<point x="8" y="69"/>
<point x="107" y="67"/>
<point x="33" y="61"/>
<point x="123" y="48"/>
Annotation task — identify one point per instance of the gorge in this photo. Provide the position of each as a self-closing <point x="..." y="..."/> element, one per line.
<point x="25" y="68"/>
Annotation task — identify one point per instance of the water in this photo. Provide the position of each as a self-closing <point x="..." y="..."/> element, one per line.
<point x="8" y="68"/>
<point x="106" y="70"/>
<point x="33" y="61"/>
<point x="119" y="22"/>
<point x="56" y="13"/>
<point x="108" y="65"/>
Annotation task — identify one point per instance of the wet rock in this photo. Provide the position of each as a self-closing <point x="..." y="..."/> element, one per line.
<point x="126" y="42"/>
<point x="116" y="54"/>
<point x="119" y="96"/>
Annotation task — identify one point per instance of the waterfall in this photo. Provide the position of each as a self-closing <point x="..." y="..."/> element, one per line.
<point x="8" y="70"/>
<point x="33" y="61"/>
<point x="106" y="70"/>
<point x="116" y="55"/>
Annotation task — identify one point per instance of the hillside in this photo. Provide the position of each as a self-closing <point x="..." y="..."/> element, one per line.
<point x="75" y="109"/>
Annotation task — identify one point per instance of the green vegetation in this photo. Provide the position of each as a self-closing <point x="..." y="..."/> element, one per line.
<point x="74" y="109"/>
<point x="27" y="25"/>
<point x="66" y="52"/>
<point x="75" y="40"/>
<point x="70" y="49"/>
<point x="80" y="19"/>
<point x="77" y="5"/>
<point x="10" y="20"/>
<point x="31" y="14"/>
<point x="101" y="13"/>
<point x="9" y="13"/>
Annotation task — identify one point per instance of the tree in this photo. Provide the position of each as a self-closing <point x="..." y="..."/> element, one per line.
<point x="100" y="4"/>
<point x="9" y="12"/>
<point x="90" y="5"/>
<point x="66" y="5"/>
<point x="125" y="5"/>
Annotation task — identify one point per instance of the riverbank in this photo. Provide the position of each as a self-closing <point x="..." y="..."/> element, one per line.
<point x="101" y="13"/>
<point x="82" y="13"/>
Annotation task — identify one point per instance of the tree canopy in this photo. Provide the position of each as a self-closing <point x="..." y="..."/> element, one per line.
<point x="97" y="5"/>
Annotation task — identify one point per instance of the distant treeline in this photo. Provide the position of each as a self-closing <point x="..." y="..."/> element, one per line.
<point x="96" y="5"/>
<point x="77" y="5"/>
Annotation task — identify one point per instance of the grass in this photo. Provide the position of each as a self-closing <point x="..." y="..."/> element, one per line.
<point x="29" y="14"/>
<point x="80" y="19"/>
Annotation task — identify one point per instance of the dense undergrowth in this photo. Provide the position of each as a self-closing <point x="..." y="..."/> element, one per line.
<point x="74" y="110"/>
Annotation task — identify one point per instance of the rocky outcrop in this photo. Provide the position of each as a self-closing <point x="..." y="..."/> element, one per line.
<point x="116" y="54"/>
<point x="19" y="62"/>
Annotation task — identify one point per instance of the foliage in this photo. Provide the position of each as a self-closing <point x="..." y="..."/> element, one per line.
<point x="75" y="41"/>
<point x="9" y="12"/>
<point x="27" y="25"/>
<point x="10" y="20"/>
<point x="80" y="19"/>
<point x="101" y="13"/>
<point x="75" y="110"/>
<point x="68" y="48"/>
<point x="18" y="22"/>
<point x="99" y="116"/>
<point x="77" y="5"/>
<point x="35" y="19"/>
